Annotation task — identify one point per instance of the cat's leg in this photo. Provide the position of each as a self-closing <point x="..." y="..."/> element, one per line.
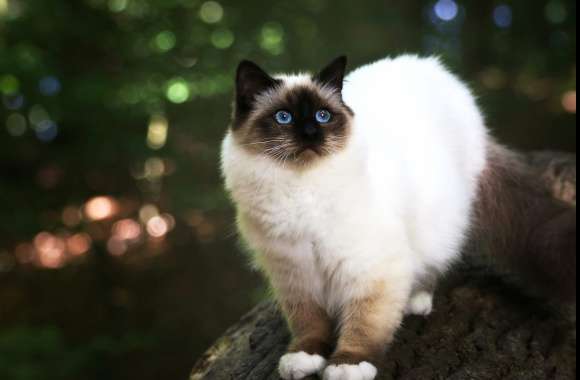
<point x="421" y="301"/>
<point x="313" y="332"/>
<point x="290" y="268"/>
<point x="368" y="326"/>
<point x="310" y="325"/>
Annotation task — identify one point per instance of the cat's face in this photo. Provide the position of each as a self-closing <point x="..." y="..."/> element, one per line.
<point x="292" y="120"/>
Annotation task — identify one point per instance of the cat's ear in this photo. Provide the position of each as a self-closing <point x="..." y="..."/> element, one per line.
<point x="251" y="80"/>
<point x="333" y="75"/>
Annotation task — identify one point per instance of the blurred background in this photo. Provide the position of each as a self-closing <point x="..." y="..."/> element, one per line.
<point x="118" y="253"/>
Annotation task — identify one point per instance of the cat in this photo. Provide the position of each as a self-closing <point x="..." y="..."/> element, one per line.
<point x="355" y="193"/>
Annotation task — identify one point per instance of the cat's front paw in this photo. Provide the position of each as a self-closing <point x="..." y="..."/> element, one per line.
<point x="300" y="365"/>
<point x="363" y="371"/>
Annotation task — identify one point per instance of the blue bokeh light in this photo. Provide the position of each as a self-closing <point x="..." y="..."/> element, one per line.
<point x="47" y="131"/>
<point x="503" y="16"/>
<point x="49" y="86"/>
<point x="14" y="102"/>
<point x="446" y="10"/>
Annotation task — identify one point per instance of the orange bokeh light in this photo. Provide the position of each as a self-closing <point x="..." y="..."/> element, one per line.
<point x="51" y="250"/>
<point x="101" y="208"/>
<point x="117" y="247"/>
<point x="569" y="102"/>
<point x="157" y="227"/>
<point x="127" y="229"/>
<point x="79" y="244"/>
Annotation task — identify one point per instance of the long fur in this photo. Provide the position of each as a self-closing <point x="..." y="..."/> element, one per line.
<point x="356" y="235"/>
<point x="526" y="231"/>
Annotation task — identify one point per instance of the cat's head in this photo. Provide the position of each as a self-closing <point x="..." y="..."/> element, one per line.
<point x="294" y="120"/>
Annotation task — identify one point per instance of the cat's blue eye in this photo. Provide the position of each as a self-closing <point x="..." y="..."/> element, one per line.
<point x="323" y="117"/>
<point x="284" y="117"/>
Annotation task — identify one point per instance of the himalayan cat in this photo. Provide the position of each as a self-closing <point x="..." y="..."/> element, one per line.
<point x="355" y="193"/>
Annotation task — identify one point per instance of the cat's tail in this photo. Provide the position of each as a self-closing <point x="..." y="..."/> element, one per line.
<point x="528" y="232"/>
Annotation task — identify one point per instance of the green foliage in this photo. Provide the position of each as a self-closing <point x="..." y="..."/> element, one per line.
<point x="43" y="354"/>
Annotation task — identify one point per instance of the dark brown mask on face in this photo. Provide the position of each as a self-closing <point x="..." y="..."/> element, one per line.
<point x="293" y="120"/>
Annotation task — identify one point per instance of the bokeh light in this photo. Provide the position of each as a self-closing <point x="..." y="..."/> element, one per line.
<point x="13" y="102"/>
<point x="9" y="84"/>
<point x="51" y="250"/>
<point x="165" y="41"/>
<point x="127" y="230"/>
<point x="222" y="38"/>
<point x="71" y="216"/>
<point x="570" y="102"/>
<point x="3" y="7"/>
<point x="211" y="12"/>
<point x="157" y="227"/>
<point x="157" y="132"/>
<point x="79" y="244"/>
<point x="116" y="246"/>
<point x="446" y="10"/>
<point x="101" y="208"/>
<point x="16" y="125"/>
<point x="49" y="86"/>
<point x="118" y="6"/>
<point x="37" y="115"/>
<point x="272" y="38"/>
<point x="178" y="91"/>
<point x="155" y="168"/>
<point x="503" y="16"/>
<point x="46" y="130"/>
<point x="147" y="212"/>
<point x="556" y="12"/>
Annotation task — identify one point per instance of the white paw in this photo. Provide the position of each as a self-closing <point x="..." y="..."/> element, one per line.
<point x="300" y="365"/>
<point x="363" y="371"/>
<point x="420" y="304"/>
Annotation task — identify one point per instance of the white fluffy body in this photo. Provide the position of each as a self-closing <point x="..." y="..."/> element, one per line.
<point x="393" y="206"/>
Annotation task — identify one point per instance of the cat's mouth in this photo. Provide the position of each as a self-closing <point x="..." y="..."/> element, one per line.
<point x="308" y="154"/>
<point x="309" y="151"/>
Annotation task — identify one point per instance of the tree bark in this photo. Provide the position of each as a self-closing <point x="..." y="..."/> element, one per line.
<point x="483" y="327"/>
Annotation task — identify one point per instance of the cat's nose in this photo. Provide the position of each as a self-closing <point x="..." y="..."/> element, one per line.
<point x="310" y="130"/>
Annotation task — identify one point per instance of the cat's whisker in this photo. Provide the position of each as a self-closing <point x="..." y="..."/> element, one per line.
<point x="278" y="140"/>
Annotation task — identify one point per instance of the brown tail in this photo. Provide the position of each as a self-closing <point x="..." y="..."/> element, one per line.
<point x="529" y="232"/>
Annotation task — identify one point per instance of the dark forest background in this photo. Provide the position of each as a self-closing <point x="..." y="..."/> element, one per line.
<point x="118" y="257"/>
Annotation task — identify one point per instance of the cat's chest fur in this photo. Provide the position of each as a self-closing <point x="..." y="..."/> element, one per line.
<point x="288" y="204"/>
